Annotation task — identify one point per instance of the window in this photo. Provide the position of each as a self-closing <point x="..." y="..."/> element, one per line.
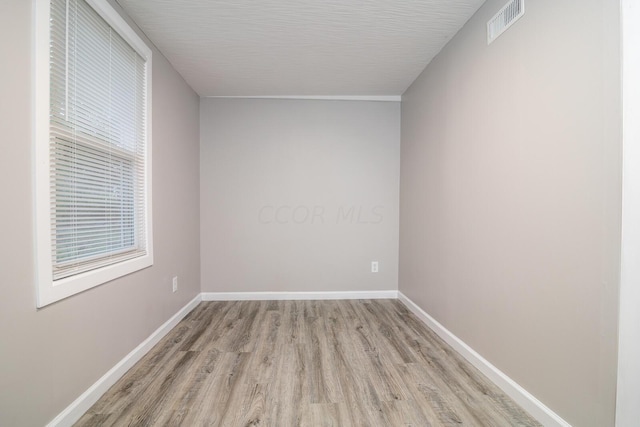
<point x="92" y="148"/>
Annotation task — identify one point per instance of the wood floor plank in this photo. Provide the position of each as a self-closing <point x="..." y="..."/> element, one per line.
<point x="328" y="415"/>
<point x="365" y="363"/>
<point x="210" y="327"/>
<point x="289" y="386"/>
<point x="210" y="403"/>
<point x="293" y="328"/>
<point x="132" y="386"/>
<point x="464" y="380"/>
<point x="381" y="327"/>
<point x="189" y="390"/>
<point x="324" y="385"/>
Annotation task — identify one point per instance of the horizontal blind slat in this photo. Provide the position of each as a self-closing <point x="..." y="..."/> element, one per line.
<point x="97" y="137"/>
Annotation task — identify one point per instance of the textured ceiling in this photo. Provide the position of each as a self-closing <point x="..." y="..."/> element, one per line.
<point x="300" y="47"/>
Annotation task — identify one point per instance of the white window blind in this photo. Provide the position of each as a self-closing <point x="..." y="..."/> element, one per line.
<point x="97" y="125"/>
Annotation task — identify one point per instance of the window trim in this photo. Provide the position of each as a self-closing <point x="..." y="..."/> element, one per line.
<point x="47" y="290"/>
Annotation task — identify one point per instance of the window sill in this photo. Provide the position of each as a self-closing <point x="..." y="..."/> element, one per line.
<point x="50" y="291"/>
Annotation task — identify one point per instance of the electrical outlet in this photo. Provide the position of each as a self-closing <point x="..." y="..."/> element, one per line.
<point x="175" y="284"/>
<point x="374" y="266"/>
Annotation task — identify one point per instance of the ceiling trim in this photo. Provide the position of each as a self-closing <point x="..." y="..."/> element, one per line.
<point x="390" y="98"/>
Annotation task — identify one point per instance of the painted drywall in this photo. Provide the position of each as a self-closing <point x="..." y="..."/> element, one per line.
<point x="48" y="357"/>
<point x="511" y="199"/>
<point x="298" y="195"/>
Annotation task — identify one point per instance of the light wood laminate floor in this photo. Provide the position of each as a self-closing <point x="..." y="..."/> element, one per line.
<point x="304" y="363"/>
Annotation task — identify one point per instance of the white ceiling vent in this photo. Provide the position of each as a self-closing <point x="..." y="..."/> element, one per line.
<point x="505" y="18"/>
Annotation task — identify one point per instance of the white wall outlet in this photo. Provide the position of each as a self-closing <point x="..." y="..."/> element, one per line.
<point x="374" y="266"/>
<point x="175" y="284"/>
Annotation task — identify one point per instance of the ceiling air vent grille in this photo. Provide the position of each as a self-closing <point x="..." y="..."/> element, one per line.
<point x="505" y="18"/>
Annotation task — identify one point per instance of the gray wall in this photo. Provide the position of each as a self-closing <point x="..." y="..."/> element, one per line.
<point x="510" y="205"/>
<point x="299" y="195"/>
<point x="49" y="357"/>
<point x="510" y="199"/>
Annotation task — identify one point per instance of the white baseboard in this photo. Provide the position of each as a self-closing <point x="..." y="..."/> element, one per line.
<point x="262" y="296"/>
<point x="82" y="404"/>
<point x="522" y="397"/>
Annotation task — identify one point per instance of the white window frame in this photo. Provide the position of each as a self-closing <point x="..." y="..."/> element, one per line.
<point x="48" y="290"/>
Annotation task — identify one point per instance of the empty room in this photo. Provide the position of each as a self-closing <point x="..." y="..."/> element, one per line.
<point x="320" y="213"/>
